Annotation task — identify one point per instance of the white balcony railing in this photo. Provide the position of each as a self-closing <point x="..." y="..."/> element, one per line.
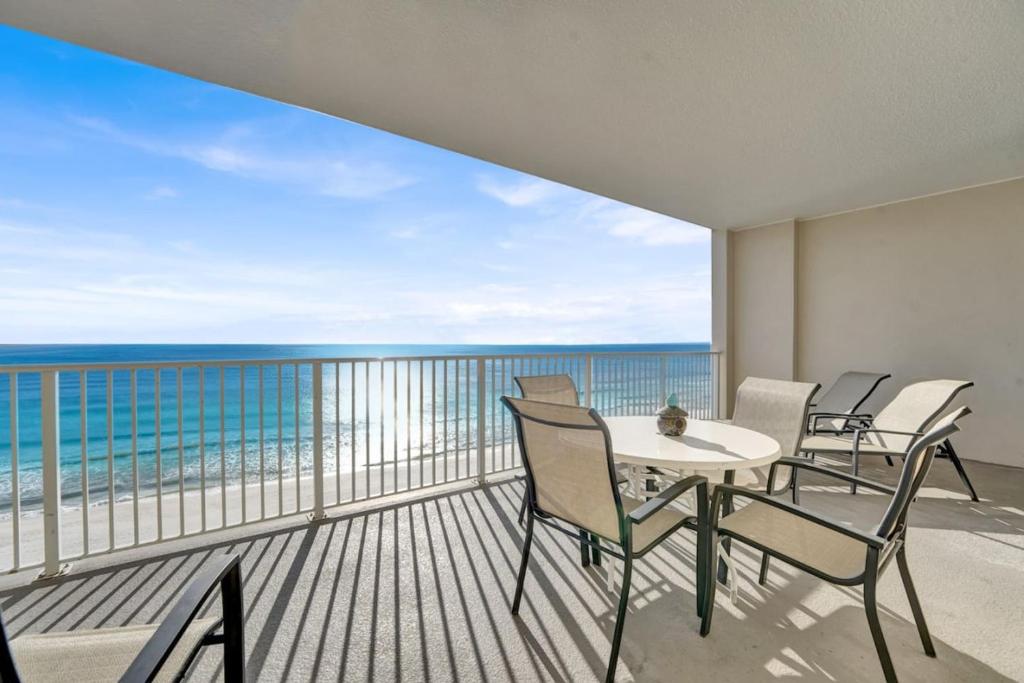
<point x="100" y="457"/>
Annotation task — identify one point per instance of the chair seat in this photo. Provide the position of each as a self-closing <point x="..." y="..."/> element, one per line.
<point x="816" y="546"/>
<point x="821" y="443"/>
<point x="100" y="655"/>
<point x="661" y="522"/>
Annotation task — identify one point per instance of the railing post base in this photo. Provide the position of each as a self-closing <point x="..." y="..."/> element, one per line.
<point x="61" y="570"/>
<point x="316" y="515"/>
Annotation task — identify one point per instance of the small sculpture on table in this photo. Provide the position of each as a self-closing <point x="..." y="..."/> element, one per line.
<point x="672" y="418"/>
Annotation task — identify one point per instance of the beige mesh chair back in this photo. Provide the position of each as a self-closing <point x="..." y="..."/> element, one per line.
<point x="915" y="469"/>
<point x="550" y="389"/>
<point x="776" y="408"/>
<point x="845" y="397"/>
<point x="914" y="409"/>
<point x="567" y="454"/>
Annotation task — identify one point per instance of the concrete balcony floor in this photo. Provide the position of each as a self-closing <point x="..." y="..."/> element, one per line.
<point x="421" y="589"/>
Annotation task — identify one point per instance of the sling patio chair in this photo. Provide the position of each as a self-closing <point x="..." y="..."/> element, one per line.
<point x="777" y="408"/>
<point x="833" y="412"/>
<point x="570" y="478"/>
<point x="559" y="389"/>
<point x="145" y="652"/>
<point x="893" y="431"/>
<point x="829" y="548"/>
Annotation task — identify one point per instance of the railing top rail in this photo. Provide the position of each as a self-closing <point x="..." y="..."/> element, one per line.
<point x="247" y="362"/>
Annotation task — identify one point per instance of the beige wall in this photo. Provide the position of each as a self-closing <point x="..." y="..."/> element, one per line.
<point x="762" y="295"/>
<point x="931" y="287"/>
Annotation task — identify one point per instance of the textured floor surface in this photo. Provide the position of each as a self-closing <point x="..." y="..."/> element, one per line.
<point x="421" y="591"/>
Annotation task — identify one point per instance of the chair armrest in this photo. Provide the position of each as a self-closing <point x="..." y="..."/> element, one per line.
<point x="822" y="520"/>
<point x="860" y="416"/>
<point x="858" y="433"/>
<point x="813" y="418"/>
<point x="224" y="572"/>
<point x="887" y="431"/>
<point x="645" y="511"/>
<point x="805" y="464"/>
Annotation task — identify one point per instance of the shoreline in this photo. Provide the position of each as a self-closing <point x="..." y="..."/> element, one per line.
<point x="200" y="511"/>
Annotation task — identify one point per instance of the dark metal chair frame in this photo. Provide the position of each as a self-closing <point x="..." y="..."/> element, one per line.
<point x="859" y="424"/>
<point x="224" y="572"/>
<point x="886" y="542"/>
<point x="850" y="413"/>
<point x="623" y="546"/>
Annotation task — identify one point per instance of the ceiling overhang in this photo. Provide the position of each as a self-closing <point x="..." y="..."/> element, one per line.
<point x="726" y="113"/>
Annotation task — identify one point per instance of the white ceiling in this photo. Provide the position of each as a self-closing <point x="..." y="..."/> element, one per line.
<point x="724" y="113"/>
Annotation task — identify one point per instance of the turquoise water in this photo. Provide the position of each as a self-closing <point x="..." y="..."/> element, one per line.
<point x="378" y="431"/>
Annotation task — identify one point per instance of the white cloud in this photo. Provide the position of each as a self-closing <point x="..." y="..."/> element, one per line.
<point x="329" y="174"/>
<point x="15" y="203"/>
<point x="161" y="192"/>
<point x="527" y="191"/>
<point x="649" y="228"/>
<point x="409" y="233"/>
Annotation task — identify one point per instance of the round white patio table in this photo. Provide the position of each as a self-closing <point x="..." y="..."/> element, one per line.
<point x="706" y="446"/>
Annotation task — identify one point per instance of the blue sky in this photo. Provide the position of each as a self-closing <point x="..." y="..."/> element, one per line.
<point x="138" y="205"/>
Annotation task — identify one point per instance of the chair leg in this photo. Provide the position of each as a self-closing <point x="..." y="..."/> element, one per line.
<point x="762" y="576"/>
<point x="522" y="564"/>
<point x="595" y="549"/>
<point x="234" y="626"/>
<point x="871" y="608"/>
<point x="959" y="466"/>
<point x="915" y="604"/>
<point x="620" y="619"/>
<point x="888" y="461"/>
<point x="856" y="471"/>
<point x="522" y="508"/>
<point x="584" y="549"/>
<point x="726" y="543"/>
<point x="710" y="585"/>
<point x="702" y="566"/>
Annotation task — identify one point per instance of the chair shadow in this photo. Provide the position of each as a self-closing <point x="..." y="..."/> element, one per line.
<point x="776" y="637"/>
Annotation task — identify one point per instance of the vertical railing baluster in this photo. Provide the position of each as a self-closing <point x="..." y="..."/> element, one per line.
<point x="241" y="438"/>
<point x="352" y="428"/>
<point x="110" y="457"/>
<point x="481" y="420"/>
<point x="263" y="460"/>
<point x="408" y="425"/>
<point x="337" y="433"/>
<point x="421" y="422"/>
<point x="223" y="457"/>
<point x="83" y="433"/>
<point x="298" y="443"/>
<point x="133" y="387"/>
<point x="394" y="424"/>
<point x="366" y="386"/>
<point x="181" y="457"/>
<point x="318" y="442"/>
<point x="202" y="446"/>
<point x="158" y="445"/>
<point x="433" y="422"/>
<point x="444" y="388"/>
<point x="280" y="440"/>
<point x="15" y="480"/>
<point x="50" y="396"/>
<point x="588" y="380"/>
<point x="456" y="421"/>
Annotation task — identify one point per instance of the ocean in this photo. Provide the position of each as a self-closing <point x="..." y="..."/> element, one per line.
<point x="370" y="408"/>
